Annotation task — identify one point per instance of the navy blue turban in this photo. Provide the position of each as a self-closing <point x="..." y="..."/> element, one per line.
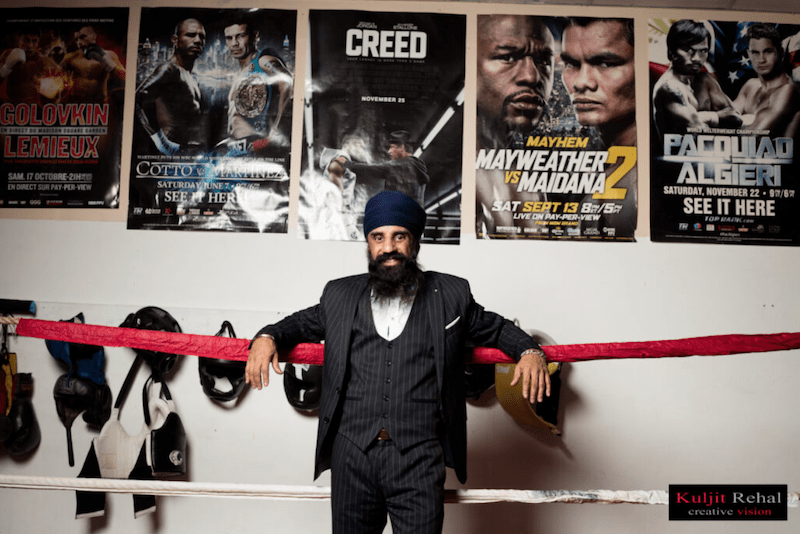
<point x="393" y="208"/>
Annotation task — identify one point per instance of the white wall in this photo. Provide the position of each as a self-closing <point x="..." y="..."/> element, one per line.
<point x="626" y="424"/>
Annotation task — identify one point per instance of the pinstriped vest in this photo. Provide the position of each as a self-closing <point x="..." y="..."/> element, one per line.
<point x="391" y="384"/>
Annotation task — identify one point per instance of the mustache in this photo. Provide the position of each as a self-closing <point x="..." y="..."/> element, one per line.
<point x="386" y="256"/>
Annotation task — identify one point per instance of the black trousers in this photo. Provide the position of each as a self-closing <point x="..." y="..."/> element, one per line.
<point x="366" y="485"/>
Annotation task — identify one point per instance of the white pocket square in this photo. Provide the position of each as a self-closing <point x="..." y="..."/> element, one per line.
<point x="452" y="323"/>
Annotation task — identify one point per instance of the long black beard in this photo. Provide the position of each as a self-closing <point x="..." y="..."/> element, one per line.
<point x="403" y="280"/>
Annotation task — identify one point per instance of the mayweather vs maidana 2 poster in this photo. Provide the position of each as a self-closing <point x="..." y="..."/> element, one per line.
<point x="212" y="126"/>
<point x="384" y="110"/>
<point x="62" y="86"/>
<point x="725" y="119"/>
<point x="556" y="130"/>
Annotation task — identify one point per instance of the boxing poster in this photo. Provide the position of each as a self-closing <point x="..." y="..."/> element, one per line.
<point x="213" y="116"/>
<point x="62" y="89"/>
<point x="556" y="130"/>
<point x="725" y="117"/>
<point x="384" y="110"/>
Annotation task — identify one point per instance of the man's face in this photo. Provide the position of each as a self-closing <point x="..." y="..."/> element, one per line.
<point x="29" y="42"/>
<point x="516" y="60"/>
<point x="191" y="39"/>
<point x="85" y="37"/>
<point x="599" y="73"/>
<point x="397" y="151"/>
<point x="764" y="57"/>
<point x="389" y="241"/>
<point x="690" y="59"/>
<point x="239" y="41"/>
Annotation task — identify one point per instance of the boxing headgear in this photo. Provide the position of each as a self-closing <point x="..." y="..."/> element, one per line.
<point x="84" y="360"/>
<point x="153" y="318"/>
<point x="74" y="395"/>
<point x="537" y="414"/>
<point x="213" y="369"/>
<point x="302" y="384"/>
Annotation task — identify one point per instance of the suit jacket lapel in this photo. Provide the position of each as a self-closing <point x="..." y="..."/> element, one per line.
<point x="350" y="298"/>
<point x="435" y="305"/>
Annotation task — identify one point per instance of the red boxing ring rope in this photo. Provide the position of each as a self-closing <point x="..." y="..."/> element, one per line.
<point x="312" y="353"/>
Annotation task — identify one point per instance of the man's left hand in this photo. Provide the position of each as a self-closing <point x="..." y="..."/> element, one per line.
<point x="532" y="369"/>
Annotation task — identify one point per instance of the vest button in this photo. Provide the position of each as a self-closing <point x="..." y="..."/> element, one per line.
<point x="390" y="345"/>
<point x="386" y="397"/>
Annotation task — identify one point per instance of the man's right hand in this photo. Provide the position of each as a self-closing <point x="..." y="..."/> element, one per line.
<point x="336" y="167"/>
<point x="263" y="352"/>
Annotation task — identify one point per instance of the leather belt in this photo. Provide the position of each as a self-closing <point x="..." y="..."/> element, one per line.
<point x="383" y="435"/>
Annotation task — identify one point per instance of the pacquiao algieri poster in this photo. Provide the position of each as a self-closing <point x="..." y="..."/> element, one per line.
<point x="556" y="129"/>
<point x="384" y="110"/>
<point x="62" y="88"/>
<point x="725" y="114"/>
<point x="212" y="126"/>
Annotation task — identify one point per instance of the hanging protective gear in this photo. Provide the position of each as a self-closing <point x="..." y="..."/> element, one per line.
<point x="8" y="368"/>
<point x="543" y="414"/>
<point x="478" y="378"/>
<point x="213" y="370"/>
<point x="302" y="384"/>
<point x="159" y="449"/>
<point x="75" y="395"/>
<point x="153" y="318"/>
<point x="26" y="435"/>
<point x="85" y="361"/>
<point x="165" y="441"/>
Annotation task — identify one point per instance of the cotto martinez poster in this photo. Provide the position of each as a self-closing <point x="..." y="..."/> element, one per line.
<point x="212" y="126"/>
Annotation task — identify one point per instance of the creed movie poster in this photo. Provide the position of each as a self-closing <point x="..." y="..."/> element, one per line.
<point x="212" y="125"/>
<point x="725" y="114"/>
<point x="384" y="110"/>
<point x="62" y="89"/>
<point x="556" y="130"/>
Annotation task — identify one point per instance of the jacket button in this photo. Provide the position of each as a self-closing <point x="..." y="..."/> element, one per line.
<point x="338" y="391"/>
<point x="326" y="420"/>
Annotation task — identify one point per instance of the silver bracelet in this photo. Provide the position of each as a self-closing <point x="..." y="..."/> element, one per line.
<point x="540" y="352"/>
<point x="265" y="335"/>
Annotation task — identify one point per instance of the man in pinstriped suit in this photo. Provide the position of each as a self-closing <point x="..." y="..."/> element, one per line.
<point x="392" y="412"/>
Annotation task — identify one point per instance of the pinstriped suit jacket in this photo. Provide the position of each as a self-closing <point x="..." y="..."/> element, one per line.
<point x="454" y="319"/>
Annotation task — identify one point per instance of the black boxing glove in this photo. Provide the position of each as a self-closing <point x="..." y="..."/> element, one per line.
<point x="95" y="51"/>
<point x="26" y="436"/>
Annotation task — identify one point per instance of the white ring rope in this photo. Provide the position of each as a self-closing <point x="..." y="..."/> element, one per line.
<point x="317" y="493"/>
